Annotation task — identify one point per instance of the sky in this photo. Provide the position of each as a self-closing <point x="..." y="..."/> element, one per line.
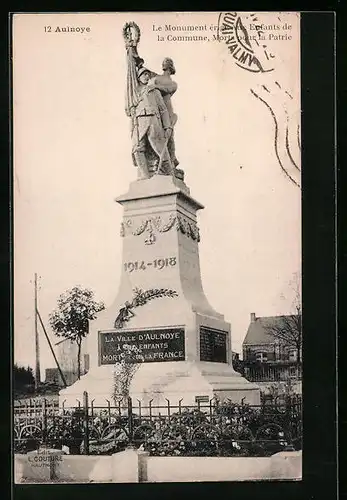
<point x="72" y="159"/>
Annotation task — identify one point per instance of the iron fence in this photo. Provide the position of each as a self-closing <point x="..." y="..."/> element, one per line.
<point x="214" y="428"/>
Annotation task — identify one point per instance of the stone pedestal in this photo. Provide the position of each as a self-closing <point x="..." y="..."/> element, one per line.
<point x="174" y="326"/>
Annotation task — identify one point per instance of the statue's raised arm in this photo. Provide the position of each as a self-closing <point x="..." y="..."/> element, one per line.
<point x="131" y="35"/>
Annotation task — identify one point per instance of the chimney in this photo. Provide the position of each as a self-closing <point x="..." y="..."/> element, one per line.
<point x="253" y="318"/>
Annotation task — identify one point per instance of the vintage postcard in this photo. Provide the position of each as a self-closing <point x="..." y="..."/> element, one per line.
<point x="157" y="247"/>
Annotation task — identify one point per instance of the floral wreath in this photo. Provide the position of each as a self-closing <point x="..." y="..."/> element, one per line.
<point x="127" y="34"/>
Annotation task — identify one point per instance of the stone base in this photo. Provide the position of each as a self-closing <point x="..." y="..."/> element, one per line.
<point x="185" y="382"/>
<point x="161" y="253"/>
<point x="179" y="382"/>
<point x="138" y="467"/>
<point x="98" y="383"/>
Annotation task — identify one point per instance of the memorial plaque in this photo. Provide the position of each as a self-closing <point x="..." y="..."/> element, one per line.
<point x="166" y="344"/>
<point x="202" y="399"/>
<point x="213" y="345"/>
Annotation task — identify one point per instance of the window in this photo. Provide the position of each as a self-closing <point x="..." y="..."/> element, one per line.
<point x="261" y="356"/>
<point x="292" y="372"/>
<point x="292" y="355"/>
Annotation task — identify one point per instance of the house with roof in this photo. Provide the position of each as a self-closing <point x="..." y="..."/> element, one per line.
<point x="66" y="352"/>
<point x="269" y="350"/>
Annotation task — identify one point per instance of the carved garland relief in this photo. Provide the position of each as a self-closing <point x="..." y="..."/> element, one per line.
<point x="154" y="224"/>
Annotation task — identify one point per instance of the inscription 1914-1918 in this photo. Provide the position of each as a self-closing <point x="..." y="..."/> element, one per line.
<point x="166" y="344"/>
<point x="213" y="345"/>
<point x="155" y="264"/>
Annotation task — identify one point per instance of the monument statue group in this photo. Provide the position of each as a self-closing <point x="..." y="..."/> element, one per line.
<point x="148" y="104"/>
<point x="161" y="313"/>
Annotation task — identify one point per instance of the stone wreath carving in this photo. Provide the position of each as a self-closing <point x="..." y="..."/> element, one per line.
<point x="188" y="228"/>
<point x="155" y="224"/>
<point x="141" y="298"/>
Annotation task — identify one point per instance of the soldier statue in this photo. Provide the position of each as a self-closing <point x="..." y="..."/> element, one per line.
<point x="151" y="128"/>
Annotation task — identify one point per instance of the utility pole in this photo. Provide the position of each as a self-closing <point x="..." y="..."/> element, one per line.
<point x="52" y="350"/>
<point x="37" y="345"/>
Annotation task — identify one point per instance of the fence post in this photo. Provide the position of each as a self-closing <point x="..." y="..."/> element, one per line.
<point x="85" y="424"/>
<point x="44" y="421"/>
<point x="130" y="420"/>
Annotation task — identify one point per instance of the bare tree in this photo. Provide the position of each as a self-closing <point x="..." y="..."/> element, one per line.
<point x="288" y="329"/>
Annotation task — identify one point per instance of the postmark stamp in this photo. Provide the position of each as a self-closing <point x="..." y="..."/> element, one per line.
<point x="246" y="41"/>
<point x="250" y="41"/>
